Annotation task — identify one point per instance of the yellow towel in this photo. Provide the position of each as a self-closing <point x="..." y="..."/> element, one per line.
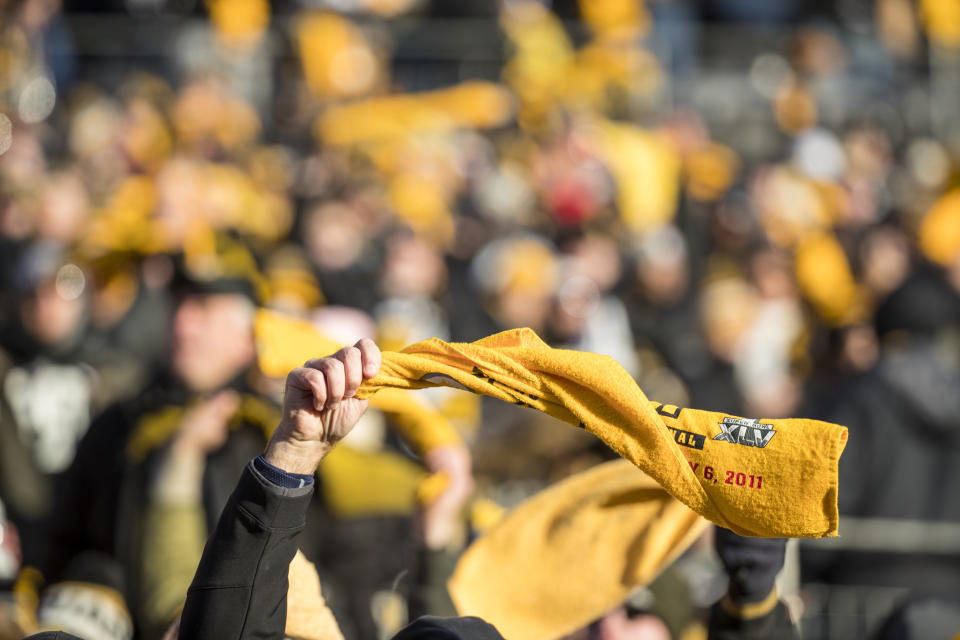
<point x="775" y="478"/>
<point x="573" y="552"/>
<point x="308" y="616"/>
<point x="357" y="484"/>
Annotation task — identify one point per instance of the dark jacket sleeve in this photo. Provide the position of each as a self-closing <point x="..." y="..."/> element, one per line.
<point x="240" y="588"/>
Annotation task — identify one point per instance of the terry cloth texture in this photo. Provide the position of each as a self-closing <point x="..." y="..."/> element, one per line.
<point x="770" y="478"/>
<point x="573" y="552"/>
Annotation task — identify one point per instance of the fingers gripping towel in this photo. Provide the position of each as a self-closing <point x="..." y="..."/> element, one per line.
<point x="774" y="478"/>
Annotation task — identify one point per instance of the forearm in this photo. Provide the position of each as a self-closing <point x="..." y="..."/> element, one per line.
<point x="239" y="590"/>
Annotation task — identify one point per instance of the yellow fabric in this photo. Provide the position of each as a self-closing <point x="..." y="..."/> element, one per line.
<point x="26" y="597"/>
<point x="826" y="279"/>
<point x="710" y="171"/>
<point x="123" y="224"/>
<point x="285" y="343"/>
<point x="942" y="20"/>
<point x="647" y="167"/>
<point x="616" y="18"/>
<point x="606" y="68"/>
<point x="473" y="104"/>
<point x="362" y="483"/>
<point x="540" y="60"/>
<point x="792" y="206"/>
<point x="240" y="23"/>
<point x="573" y="552"/>
<point x="706" y="460"/>
<point x="308" y="616"/>
<point x="421" y="202"/>
<point x="174" y="536"/>
<point x="939" y="233"/>
<point x="337" y="59"/>
<point x="421" y="426"/>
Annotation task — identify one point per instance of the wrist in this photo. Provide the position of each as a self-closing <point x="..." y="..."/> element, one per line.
<point x="295" y="456"/>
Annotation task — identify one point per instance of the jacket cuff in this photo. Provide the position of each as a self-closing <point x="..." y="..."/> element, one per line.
<point x="273" y="506"/>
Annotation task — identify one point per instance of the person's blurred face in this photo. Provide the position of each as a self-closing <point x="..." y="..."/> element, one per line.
<point x="49" y="315"/>
<point x="333" y="239"/>
<point x="64" y="208"/>
<point x="212" y="339"/>
<point x="663" y="282"/>
<point x="617" y="625"/>
<point x="414" y="267"/>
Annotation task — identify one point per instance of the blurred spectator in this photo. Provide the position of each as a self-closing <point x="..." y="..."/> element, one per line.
<point x="51" y="387"/>
<point x="906" y="419"/>
<point x="185" y="414"/>
<point x="753" y="208"/>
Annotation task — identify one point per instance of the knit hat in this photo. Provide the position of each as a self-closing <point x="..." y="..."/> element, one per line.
<point x="89" y="601"/>
<point x="573" y="552"/>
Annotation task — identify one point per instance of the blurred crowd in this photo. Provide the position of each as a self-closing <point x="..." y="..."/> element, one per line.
<point x="804" y="262"/>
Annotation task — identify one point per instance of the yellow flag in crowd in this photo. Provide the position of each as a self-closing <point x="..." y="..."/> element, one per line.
<point x="757" y="477"/>
<point x="647" y="169"/>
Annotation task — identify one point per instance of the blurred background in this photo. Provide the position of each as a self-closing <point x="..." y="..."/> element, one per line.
<point x="753" y="206"/>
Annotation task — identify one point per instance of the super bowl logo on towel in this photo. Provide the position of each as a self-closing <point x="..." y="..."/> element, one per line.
<point x="746" y="431"/>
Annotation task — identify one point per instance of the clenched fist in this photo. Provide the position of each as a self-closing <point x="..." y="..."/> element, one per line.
<point x="319" y="408"/>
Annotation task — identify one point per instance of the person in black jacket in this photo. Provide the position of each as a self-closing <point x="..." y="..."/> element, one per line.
<point x="240" y="588"/>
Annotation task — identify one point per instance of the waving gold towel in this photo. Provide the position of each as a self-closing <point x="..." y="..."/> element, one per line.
<point x="775" y="478"/>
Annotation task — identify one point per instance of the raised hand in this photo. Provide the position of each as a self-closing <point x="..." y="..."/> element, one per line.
<point x="319" y="407"/>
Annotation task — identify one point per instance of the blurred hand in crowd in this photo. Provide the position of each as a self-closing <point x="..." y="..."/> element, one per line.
<point x="440" y="516"/>
<point x="204" y="427"/>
